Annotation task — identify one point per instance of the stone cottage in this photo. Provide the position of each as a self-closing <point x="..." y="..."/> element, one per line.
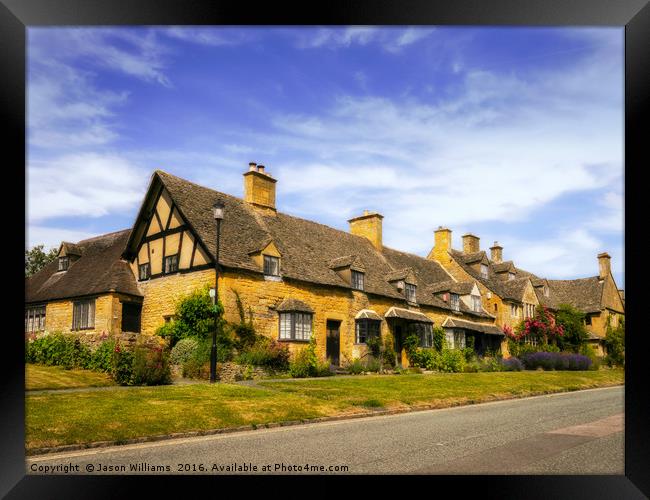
<point x="299" y="278"/>
<point x="512" y="294"/>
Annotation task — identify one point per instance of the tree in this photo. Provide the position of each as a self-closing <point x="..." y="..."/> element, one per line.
<point x="575" y="333"/>
<point x="36" y="259"/>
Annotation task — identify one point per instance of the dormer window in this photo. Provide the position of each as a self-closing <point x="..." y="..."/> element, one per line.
<point x="271" y="265"/>
<point x="64" y="263"/>
<point x="476" y="303"/>
<point x="511" y="276"/>
<point x="455" y="302"/>
<point x="484" y="271"/>
<point x="357" y="280"/>
<point x="409" y="290"/>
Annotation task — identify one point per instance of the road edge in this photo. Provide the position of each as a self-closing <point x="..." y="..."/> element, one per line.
<point x="34" y="452"/>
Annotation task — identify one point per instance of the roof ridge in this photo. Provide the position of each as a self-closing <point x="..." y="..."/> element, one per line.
<point x="94" y="238"/>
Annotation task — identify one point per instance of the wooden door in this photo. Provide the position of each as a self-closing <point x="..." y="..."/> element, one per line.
<point x="333" y="345"/>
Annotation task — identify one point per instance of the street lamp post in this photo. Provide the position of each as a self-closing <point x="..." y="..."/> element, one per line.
<point x="218" y="216"/>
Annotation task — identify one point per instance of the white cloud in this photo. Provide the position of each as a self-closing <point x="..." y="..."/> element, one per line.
<point x="83" y="185"/>
<point x="391" y="39"/>
<point x="52" y="237"/>
<point x="212" y="36"/>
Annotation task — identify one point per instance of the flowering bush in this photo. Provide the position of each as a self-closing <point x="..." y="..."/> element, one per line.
<point x="122" y="365"/>
<point x="555" y="361"/>
<point x="265" y="352"/>
<point x="58" y="349"/>
<point x="512" y="364"/>
<point x="151" y="366"/>
<point x="542" y="327"/>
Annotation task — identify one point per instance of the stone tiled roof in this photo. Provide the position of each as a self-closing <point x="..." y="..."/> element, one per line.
<point x="503" y="267"/>
<point x="585" y="294"/>
<point x="470" y="325"/>
<point x="292" y="304"/>
<point x="308" y="248"/>
<point x="398" y="312"/>
<point x="509" y="290"/>
<point x="459" y="287"/>
<point x="100" y="269"/>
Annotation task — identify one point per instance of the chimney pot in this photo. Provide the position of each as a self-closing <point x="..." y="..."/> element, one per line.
<point x="260" y="168"/>
<point x="252" y="166"/>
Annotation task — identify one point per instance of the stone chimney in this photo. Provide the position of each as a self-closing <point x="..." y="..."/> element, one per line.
<point x="471" y="243"/>
<point x="604" y="265"/>
<point x="368" y="225"/>
<point x="441" y="245"/>
<point x="259" y="187"/>
<point x="496" y="252"/>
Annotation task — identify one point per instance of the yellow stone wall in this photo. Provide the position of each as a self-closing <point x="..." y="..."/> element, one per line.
<point x="108" y="315"/>
<point x="261" y="295"/>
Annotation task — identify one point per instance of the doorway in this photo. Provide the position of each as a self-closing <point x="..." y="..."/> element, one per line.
<point x="333" y="345"/>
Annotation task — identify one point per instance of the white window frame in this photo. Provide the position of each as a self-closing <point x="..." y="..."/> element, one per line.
<point x="459" y="339"/>
<point x="454" y="301"/>
<point x="514" y="310"/>
<point x="476" y="303"/>
<point x="410" y="291"/>
<point x="449" y="337"/>
<point x="35" y="319"/>
<point x="64" y="263"/>
<point x="271" y="265"/>
<point x="365" y="328"/>
<point x="295" y="326"/>
<point x="83" y="314"/>
<point x="484" y="271"/>
<point x="357" y="279"/>
<point x="168" y="269"/>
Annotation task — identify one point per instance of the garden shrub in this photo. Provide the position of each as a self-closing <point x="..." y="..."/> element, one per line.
<point x="388" y="354"/>
<point x="358" y="366"/>
<point x="183" y="350"/>
<point x="58" y="349"/>
<point x="615" y="344"/>
<point x="197" y="365"/>
<point x="265" y="352"/>
<point x="150" y="366"/>
<point x="451" y="360"/>
<point x="122" y="369"/>
<point x="102" y="359"/>
<point x="306" y="363"/>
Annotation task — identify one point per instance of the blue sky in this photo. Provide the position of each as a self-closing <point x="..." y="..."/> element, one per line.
<point x="513" y="134"/>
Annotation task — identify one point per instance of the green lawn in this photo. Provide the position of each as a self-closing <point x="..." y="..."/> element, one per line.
<point x="65" y="418"/>
<point x="54" y="377"/>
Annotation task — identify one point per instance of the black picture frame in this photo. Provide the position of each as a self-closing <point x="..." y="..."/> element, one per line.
<point x="634" y="15"/>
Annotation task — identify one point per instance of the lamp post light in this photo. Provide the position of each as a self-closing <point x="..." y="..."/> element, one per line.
<point x="218" y="216"/>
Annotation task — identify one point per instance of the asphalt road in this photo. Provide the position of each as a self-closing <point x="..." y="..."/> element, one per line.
<point x="571" y="433"/>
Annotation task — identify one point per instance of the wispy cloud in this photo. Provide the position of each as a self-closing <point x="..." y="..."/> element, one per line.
<point x="211" y="36"/>
<point x="391" y="39"/>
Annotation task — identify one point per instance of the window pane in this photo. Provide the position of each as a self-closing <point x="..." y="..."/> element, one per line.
<point x="449" y="335"/>
<point x="285" y="326"/>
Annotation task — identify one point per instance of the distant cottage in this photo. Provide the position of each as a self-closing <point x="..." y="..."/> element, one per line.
<point x="300" y="278"/>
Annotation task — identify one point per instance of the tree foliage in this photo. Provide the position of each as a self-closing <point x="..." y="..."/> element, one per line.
<point x="615" y="344"/>
<point x="36" y="259"/>
<point x="575" y="333"/>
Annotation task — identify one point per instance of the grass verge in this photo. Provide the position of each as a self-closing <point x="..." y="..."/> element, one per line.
<point x="39" y="377"/>
<point x="115" y="415"/>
